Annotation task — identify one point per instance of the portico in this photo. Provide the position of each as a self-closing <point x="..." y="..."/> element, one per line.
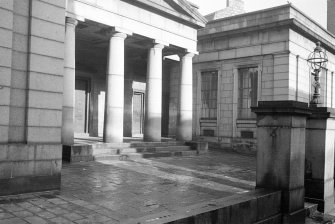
<point x="117" y="69"/>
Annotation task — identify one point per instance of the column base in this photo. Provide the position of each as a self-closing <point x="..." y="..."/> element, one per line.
<point x="151" y="139"/>
<point x="320" y="192"/>
<point x="112" y="140"/>
<point x="67" y="126"/>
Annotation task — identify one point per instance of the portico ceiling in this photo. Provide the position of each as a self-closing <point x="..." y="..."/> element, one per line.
<point x="92" y="33"/>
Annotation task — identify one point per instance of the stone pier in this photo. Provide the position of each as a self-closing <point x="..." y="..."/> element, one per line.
<point x="319" y="172"/>
<point x="281" y="133"/>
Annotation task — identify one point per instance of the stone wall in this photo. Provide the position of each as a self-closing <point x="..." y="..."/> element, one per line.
<point x="331" y="15"/>
<point x="280" y="54"/>
<point x="268" y="51"/>
<point x="31" y="86"/>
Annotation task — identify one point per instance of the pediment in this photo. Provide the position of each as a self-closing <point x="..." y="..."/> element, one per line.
<point x="181" y="9"/>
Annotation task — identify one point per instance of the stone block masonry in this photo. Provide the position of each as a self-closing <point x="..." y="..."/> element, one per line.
<point x="31" y="76"/>
<point x="29" y="167"/>
<point x="330" y="15"/>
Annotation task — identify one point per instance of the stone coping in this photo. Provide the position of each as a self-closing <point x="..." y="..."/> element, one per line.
<point x="282" y="108"/>
<point x="322" y="113"/>
<point x="255" y="206"/>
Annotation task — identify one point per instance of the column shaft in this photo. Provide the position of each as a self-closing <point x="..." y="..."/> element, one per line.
<point x="153" y="103"/>
<point x="113" y="123"/>
<point x="69" y="82"/>
<point x="184" y="113"/>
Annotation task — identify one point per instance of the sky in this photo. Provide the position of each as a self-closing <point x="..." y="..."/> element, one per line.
<point x="316" y="9"/>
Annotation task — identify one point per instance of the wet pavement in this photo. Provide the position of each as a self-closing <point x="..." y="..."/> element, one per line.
<point x="116" y="191"/>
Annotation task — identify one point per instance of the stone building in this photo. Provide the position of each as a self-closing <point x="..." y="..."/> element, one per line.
<point x="60" y="61"/>
<point x="252" y="57"/>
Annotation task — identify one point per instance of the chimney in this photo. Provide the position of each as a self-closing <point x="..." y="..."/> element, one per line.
<point x="234" y="7"/>
<point x="331" y="16"/>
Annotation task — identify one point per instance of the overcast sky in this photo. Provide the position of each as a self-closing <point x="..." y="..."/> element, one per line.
<point x="316" y="9"/>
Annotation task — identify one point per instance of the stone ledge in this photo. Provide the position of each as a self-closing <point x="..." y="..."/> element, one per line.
<point x="19" y="185"/>
<point x="241" y="208"/>
<point x="282" y="108"/>
<point x="322" y="113"/>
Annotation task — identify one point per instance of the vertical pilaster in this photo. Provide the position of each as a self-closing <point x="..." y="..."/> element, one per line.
<point x="281" y="129"/>
<point x="113" y="123"/>
<point x="184" y="113"/>
<point x="69" y="82"/>
<point x="319" y="174"/>
<point x="153" y="103"/>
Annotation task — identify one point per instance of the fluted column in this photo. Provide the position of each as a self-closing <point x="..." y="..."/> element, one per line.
<point x="184" y="113"/>
<point x="113" y="123"/>
<point x="69" y="82"/>
<point x="153" y="103"/>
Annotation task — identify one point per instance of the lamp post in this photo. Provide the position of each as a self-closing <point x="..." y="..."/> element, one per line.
<point x="316" y="61"/>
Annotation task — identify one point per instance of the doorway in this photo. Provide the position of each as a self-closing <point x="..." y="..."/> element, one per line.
<point x="81" y="124"/>
<point x="138" y="114"/>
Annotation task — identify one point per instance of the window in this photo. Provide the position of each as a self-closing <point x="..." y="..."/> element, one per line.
<point x="247" y="92"/>
<point x="209" y="92"/>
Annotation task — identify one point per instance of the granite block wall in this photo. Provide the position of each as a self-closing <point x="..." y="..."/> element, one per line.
<point x="31" y="76"/>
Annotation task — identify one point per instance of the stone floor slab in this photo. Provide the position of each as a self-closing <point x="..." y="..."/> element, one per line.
<point x="117" y="191"/>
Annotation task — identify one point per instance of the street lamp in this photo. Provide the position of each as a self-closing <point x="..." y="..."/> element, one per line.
<point x="316" y="61"/>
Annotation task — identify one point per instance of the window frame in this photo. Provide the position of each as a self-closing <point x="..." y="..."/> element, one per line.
<point x="212" y="72"/>
<point x="254" y="99"/>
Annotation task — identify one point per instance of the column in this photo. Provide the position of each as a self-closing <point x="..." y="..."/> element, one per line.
<point x="69" y="82"/>
<point x="153" y="102"/>
<point x="113" y="123"/>
<point x="184" y="113"/>
<point x="319" y="172"/>
<point x="281" y="127"/>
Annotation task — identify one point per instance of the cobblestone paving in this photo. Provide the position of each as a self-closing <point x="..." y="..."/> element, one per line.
<point x="114" y="191"/>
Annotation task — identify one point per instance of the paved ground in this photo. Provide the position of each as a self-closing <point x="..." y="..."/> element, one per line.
<point x="114" y="191"/>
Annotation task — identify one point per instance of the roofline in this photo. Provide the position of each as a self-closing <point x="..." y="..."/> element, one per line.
<point x="299" y="26"/>
<point x="289" y="5"/>
<point x="291" y="23"/>
<point x="248" y="13"/>
<point x="188" y="7"/>
<point x="194" y="20"/>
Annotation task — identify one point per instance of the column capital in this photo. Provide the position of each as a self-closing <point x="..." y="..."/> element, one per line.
<point x="71" y="21"/>
<point x="115" y="32"/>
<point x="186" y="54"/>
<point x="159" y="44"/>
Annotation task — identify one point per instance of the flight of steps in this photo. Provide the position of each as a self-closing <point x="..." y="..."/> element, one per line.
<point x="131" y="150"/>
<point x="143" y="150"/>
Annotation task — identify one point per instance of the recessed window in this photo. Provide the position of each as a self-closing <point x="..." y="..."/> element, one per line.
<point x="247" y="92"/>
<point x="247" y="134"/>
<point x="207" y="132"/>
<point x="209" y="93"/>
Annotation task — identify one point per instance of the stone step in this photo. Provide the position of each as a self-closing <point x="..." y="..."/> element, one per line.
<point x="121" y="157"/>
<point x="310" y="209"/>
<point x="142" y="150"/>
<point x="77" y="153"/>
<point x="134" y="144"/>
<point x="134" y="156"/>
